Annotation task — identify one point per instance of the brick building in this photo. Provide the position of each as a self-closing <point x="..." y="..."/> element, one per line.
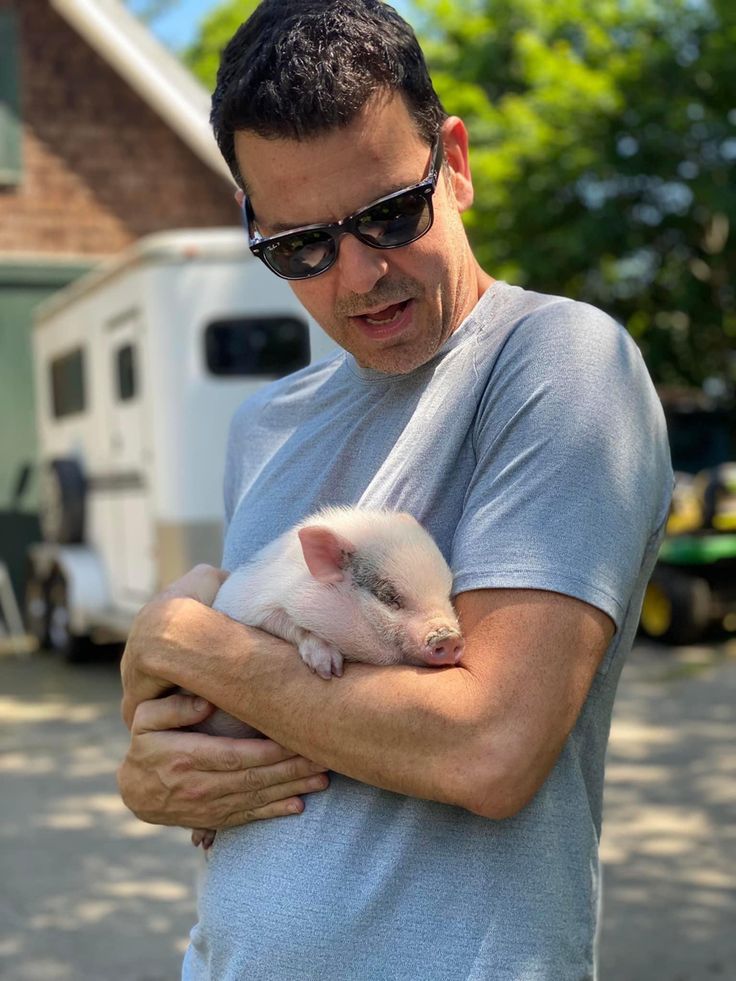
<point x="103" y="138"/>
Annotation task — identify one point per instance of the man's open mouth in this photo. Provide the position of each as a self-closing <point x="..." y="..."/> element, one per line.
<point x="389" y="315"/>
<point x="386" y="319"/>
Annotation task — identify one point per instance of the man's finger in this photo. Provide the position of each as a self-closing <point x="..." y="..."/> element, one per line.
<point x="243" y="811"/>
<point x="279" y="808"/>
<point x="171" y="712"/>
<point x="295" y="768"/>
<point x="200" y="583"/>
<point x="227" y="791"/>
<point x="308" y="785"/>
<point x="220" y="753"/>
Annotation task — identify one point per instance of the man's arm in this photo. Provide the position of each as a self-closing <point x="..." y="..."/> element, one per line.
<point x="172" y="776"/>
<point x="483" y="736"/>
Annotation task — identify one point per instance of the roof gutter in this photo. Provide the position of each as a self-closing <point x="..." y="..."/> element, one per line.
<point x="150" y="70"/>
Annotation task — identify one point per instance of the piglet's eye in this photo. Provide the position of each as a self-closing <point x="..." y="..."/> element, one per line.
<point x="386" y="594"/>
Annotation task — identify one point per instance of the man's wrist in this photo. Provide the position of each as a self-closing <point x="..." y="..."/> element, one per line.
<point x="197" y="642"/>
<point x="158" y="656"/>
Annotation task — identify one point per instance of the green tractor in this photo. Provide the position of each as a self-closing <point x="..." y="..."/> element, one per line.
<point x="693" y="588"/>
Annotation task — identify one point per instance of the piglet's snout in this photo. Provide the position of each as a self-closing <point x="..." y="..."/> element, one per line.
<point x="443" y="646"/>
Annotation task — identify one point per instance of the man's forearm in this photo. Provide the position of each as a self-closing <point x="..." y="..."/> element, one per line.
<point x="484" y="735"/>
<point x="405" y="729"/>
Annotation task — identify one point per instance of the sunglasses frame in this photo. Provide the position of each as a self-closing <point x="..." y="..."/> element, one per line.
<point x="261" y="246"/>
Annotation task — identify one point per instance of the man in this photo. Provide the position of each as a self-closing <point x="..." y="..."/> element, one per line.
<point x="458" y="837"/>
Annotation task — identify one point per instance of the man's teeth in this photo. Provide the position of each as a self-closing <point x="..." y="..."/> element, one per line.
<point x="387" y="320"/>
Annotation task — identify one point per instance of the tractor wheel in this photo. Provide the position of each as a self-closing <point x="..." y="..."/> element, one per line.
<point x="677" y="607"/>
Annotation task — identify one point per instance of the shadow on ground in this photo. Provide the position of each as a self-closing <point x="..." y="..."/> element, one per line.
<point x="88" y="892"/>
<point x="669" y="838"/>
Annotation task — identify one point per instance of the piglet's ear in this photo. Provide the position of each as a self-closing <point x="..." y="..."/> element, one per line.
<point x="325" y="553"/>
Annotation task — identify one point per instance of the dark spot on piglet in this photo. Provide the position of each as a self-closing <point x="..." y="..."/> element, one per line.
<point x="366" y="576"/>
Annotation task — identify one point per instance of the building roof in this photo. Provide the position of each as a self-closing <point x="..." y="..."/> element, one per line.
<point x="155" y="74"/>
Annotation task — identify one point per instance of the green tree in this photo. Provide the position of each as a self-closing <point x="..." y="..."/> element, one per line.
<point x="203" y="57"/>
<point x="604" y="136"/>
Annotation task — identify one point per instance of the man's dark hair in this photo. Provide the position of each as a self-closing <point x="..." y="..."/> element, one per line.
<point x="298" y="68"/>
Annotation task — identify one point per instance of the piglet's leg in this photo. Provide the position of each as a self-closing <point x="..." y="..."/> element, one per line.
<point x="323" y="658"/>
<point x="204" y="837"/>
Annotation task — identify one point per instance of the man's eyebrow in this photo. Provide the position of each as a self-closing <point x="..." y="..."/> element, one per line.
<point x="278" y="228"/>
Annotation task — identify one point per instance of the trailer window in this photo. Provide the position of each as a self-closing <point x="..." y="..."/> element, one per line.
<point x="273" y="346"/>
<point x="67" y="384"/>
<point x="126" y="374"/>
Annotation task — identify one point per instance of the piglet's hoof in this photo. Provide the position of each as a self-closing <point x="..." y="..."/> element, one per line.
<point x="324" y="659"/>
<point x="204" y="837"/>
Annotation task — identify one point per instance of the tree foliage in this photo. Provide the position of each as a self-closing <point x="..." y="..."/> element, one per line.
<point x="203" y="57"/>
<point x="604" y="142"/>
<point x="604" y="136"/>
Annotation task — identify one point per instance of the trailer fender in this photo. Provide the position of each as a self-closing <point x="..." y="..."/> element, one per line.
<point x="87" y="585"/>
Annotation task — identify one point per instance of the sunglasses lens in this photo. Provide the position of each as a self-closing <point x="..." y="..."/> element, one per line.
<point x="395" y="222"/>
<point x="388" y="224"/>
<point x="301" y="256"/>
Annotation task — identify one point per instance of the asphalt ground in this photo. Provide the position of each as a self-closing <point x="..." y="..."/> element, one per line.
<point x="88" y="893"/>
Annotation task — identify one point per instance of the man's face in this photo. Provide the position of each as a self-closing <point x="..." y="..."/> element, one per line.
<point x="391" y="309"/>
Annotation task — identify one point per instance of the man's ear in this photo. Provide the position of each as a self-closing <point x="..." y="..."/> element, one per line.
<point x="240" y="197"/>
<point x="456" y="154"/>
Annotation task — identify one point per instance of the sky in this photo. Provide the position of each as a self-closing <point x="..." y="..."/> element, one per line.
<point x="178" y="26"/>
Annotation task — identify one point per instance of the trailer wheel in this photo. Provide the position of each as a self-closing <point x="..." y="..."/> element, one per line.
<point x="677" y="607"/>
<point x="61" y="641"/>
<point x="62" y="492"/>
<point x="36" y="605"/>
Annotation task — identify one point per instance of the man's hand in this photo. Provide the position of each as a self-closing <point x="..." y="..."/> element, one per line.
<point x="158" y="629"/>
<point x="197" y="781"/>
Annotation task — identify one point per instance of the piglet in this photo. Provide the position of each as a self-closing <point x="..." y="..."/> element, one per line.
<point x="345" y="584"/>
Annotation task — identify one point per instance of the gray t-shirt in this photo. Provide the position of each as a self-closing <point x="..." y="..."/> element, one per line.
<point x="534" y="449"/>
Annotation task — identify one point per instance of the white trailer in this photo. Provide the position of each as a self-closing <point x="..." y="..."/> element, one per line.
<point x="139" y="367"/>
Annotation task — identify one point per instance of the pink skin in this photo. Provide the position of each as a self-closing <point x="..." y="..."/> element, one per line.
<point x="324" y="552"/>
<point x="442" y="646"/>
<point x="428" y="636"/>
<point x="333" y="614"/>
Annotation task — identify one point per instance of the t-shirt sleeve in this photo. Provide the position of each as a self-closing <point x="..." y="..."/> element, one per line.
<point x="572" y="478"/>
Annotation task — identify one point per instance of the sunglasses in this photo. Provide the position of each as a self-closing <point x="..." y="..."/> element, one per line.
<point x="388" y="223"/>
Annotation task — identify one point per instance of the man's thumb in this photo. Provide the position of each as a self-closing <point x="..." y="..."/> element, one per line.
<point x="171" y="712"/>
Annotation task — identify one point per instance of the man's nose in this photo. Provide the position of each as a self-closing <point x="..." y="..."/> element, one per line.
<point x="359" y="266"/>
